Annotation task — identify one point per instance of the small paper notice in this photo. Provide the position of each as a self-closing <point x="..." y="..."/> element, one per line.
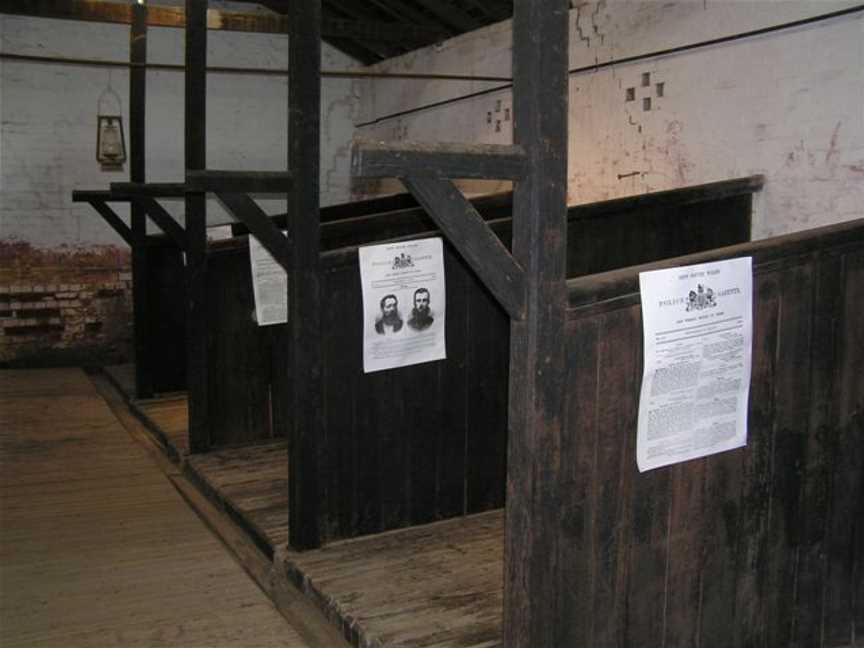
<point x="269" y="285"/>
<point x="698" y="332"/>
<point x="404" y="303"/>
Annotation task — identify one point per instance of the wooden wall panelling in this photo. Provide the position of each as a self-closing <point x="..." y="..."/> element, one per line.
<point x="843" y="605"/>
<point x="346" y="452"/>
<point x="756" y="546"/>
<point x="486" y="384"/>
<point x="165" y="322"/>
<point x="239" y="353"/>
<point x="450" y="440"/>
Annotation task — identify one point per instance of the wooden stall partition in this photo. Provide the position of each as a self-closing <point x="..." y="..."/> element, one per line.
<point x="760" y="546"/>
<point x="415" y="444"/>
<point x="163" y="322"/>
<point x="243" y="356"/>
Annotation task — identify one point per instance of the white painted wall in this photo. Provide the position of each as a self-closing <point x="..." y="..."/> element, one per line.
<point x="789" y="105"/>
<point x="48" y="113"/>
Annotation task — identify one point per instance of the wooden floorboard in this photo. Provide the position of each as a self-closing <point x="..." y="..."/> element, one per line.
<point x="251" y="483"/>
<point x="168" y="419"/>
<point x="96" y="546"/>
<point x="438" y="585"/>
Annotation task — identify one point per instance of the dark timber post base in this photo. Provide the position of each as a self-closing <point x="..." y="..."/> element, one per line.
<point x="304" y="299"/>
<point x="196" y="224"/>
<point x="537" y="362"/>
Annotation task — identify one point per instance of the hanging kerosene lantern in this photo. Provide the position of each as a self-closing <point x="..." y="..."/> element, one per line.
<point x="110" y="145"/>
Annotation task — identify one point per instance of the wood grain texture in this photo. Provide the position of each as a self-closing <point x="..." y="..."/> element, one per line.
<point x="97" y="548"/>
<point x="437" y="586"/>
<point x="759" y="546"/>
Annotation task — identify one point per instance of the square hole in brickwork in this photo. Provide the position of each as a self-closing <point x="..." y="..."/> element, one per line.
<point x="646" y="79"/>
<point x="660" y="88"/>
<point x="646" y="103"/>
<point x="630" y="94"/>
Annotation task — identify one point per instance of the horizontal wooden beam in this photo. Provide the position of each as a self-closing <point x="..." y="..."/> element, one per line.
<point x="161" y="16"/>
<point x="151" y="189"/>
<point x="237" y="182"/>
<point x="404" y="159"/>
<point x="673" y="197"/>
<point x="102" y="195"/>
<point x="244" y="209"/>
<point x="474" y="239"/>
<point x="116" y="223"/>
<point x="164" y="221"/>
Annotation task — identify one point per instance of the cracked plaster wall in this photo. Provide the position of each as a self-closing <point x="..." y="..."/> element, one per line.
<point x="789" y="105"/>
<point x="64" y="293"/>
<point x="48" y="112"/>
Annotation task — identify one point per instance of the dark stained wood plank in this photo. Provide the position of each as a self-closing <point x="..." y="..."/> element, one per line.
<point x="372" y="159"/>
<point x="671" y="198"/>
<point x="343" y="369"/>
<point x="116" y="223"/>
<point x="748" y="622"/>
<point x="163" y="220"/>
<point x="537" y="366"/>
<point x="792" y="392"/>
<point x="486" y="393"/>
<point x="818" y="466"/>
<point x="137" y="135"/>
<point x="150" y="189"/>
<point x="478" y="245"/>
<point x="239" y="351"/>
<point x="450" y="446"/>
<point x="239" y="182"/>
<point x="244" y="209"/>
<point x="166" y="319"/>
<point x="304" y="295"/>
<point x="843" y="611"/>
<point x="196" y="226"/>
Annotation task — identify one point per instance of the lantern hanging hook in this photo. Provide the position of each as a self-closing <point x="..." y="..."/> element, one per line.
<point x="107" y="93"/>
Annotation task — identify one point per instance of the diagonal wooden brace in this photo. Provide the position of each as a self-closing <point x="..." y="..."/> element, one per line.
<point x="244" y="209"/>
<point x="476" y="242"/>
<point x="164" y="221"/>
<point x="111" y="217"/>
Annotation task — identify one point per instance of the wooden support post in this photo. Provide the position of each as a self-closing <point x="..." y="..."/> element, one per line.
<point x="196" y="225"/>
<point x="537" y="361"/>
<point x="137" y="173"/>
<point x="304" y="299"/>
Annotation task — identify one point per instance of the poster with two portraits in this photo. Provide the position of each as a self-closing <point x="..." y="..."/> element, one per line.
<point x="404" y="303"/>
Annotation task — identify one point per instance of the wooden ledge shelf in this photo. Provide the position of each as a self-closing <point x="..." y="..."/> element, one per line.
<point x="404" y="159"/>
<point x="239" y="181"/>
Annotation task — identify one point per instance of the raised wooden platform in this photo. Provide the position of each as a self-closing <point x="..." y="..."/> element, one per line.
<point x="251" y="485"/>
<point x="437" y="586"/>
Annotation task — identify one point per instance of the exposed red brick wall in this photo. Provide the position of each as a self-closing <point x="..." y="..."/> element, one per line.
<point x="66" y="305"/>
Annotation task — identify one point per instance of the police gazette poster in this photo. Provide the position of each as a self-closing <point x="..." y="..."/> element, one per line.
<point x="269" y="285"/>
<point x="698" y="334"/>
<point x="404" y="303"/>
